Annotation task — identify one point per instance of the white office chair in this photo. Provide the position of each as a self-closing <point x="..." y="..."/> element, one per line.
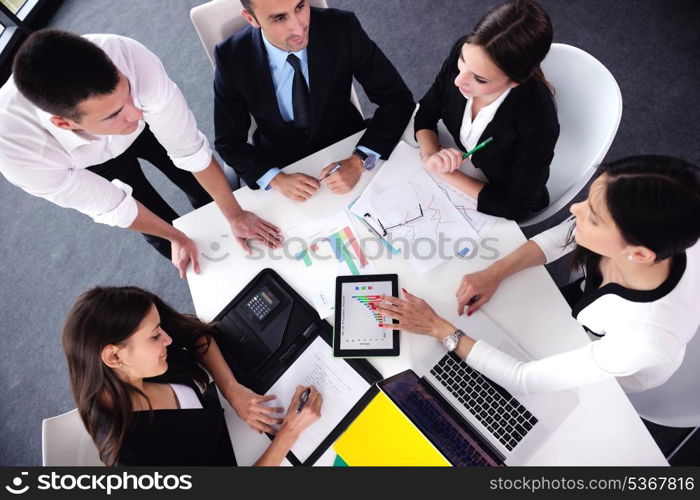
<point x="675" y="403"/>
<point x="589" y="106"/>
<point x="65" y="442"/>
<point x="218" y="19"/>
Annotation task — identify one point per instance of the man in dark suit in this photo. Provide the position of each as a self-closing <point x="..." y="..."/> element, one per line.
<point x="292" y="70"/>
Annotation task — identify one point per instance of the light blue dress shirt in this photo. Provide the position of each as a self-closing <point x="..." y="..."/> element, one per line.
<point x="282" y="79"/>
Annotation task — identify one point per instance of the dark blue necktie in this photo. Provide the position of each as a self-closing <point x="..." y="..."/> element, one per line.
<point x="301" y="101"/>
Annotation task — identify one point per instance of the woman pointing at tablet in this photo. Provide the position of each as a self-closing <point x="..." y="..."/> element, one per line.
<point x="635" y="239"/>
<point x="491" y="87"/>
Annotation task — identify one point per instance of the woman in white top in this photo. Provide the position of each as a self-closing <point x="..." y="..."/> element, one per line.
<point x="635" y="239"/>
<point x="491" y="86"/>
<point x="144" y="398"/>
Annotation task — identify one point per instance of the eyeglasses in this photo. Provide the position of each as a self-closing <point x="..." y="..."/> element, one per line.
<point x="384" y="229"/>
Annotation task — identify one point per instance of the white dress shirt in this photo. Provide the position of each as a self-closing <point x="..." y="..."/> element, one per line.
<point x="643" y="333"/>
<point x="50" y="162"/>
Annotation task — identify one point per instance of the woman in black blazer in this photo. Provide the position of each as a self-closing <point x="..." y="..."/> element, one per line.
<point x="144" y="398"/>
<point x="495" y="68"/>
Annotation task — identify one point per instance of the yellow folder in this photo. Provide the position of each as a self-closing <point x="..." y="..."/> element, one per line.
<point x="383" y="435"/>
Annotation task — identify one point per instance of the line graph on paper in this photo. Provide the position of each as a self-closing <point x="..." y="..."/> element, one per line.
<point x="441" y="223"/>
<point x="482" y="223"/>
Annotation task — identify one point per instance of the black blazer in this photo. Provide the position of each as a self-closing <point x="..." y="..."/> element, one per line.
<point x="524" y="130"/>
<point x="338" y="49"/>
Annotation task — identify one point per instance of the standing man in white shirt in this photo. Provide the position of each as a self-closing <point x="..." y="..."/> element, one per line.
<point x="78" y="112"/>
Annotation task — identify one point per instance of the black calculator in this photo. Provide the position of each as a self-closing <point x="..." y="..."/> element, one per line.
<point x="262" y="303"/>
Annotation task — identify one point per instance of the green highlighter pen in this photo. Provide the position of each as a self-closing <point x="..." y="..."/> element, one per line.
<point x="477" y="148"/>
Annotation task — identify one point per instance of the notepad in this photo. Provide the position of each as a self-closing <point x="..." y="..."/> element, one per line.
<point x="383" y="436"/>
<point x="338" y="383"/>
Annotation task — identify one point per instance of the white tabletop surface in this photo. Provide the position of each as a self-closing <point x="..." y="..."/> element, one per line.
<point x="604" y="429"/>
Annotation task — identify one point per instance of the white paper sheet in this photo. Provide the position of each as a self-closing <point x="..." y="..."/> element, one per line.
<point x="482" y="223"/>
<point x="392" y="198"/>
<point x="338" y="383"/>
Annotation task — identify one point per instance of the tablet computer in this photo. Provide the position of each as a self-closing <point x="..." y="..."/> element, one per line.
<point x="357" y="333"/>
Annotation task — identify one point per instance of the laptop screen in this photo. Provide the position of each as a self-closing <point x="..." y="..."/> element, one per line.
<point x="448" y="432"/>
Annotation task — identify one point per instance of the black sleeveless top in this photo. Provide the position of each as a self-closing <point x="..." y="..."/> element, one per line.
<point x="179" y="437"/>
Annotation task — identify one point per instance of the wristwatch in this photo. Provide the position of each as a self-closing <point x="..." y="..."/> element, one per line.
<point x="450" y="342"/>
<point x="368" y="160"/>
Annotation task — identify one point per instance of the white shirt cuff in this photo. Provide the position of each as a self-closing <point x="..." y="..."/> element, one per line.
<point x="124" y="214"/>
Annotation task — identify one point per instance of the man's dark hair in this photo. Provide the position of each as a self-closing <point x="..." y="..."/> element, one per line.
<point x="57" y="70"/>
<point x="247" y="5"/>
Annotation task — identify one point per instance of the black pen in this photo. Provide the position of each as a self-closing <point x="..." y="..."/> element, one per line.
<point x="303" y="399"/>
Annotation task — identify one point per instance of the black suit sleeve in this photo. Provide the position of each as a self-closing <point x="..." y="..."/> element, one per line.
<point x="384" y="87"/>
<point x="430" y="106"/>
<point x="231" y="124"/>
<point x="517" y="197"/>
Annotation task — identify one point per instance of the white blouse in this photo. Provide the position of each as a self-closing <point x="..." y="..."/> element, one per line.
<point x="470" y="131"/>
<point x="186" y="397"/>
<point x="643" y="333"/>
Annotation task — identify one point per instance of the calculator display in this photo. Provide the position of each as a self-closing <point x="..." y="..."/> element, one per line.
<point x="262" y="303"/>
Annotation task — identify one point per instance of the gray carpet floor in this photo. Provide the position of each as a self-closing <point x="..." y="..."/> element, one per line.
<point x="49" y="255"/>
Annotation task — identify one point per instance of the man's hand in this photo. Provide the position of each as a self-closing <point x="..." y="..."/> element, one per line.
<point x="297" y="187"/>
<point x="246" y="225"/>
<point x="343" y="179"/>
<point x="184" y="250"/>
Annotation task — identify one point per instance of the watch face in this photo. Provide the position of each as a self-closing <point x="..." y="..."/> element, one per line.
<point x="450" y="343"/>
<point x="370" y="162"/>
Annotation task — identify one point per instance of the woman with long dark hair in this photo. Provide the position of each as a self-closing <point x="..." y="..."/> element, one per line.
<point x="635" y="239"/>
<point x="134" y="365"/>
<point x="491" y="86"/>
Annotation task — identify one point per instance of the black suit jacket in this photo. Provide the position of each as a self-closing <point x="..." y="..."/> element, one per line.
<point x="524" y="130"/>
<point x="338" y="49"/>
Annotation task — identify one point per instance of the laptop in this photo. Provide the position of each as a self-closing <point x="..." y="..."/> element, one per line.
<point x="470" y="419"/>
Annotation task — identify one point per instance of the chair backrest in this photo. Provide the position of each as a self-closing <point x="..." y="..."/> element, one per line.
<point x="675" y="403"/>
<point x="65" y="442"/>
<point x="217" y="20"/>
<point x="589" y="107"/>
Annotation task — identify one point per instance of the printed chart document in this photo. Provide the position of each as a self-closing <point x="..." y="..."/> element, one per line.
<point x="404" y="204"/>
<point x="327" y="247"/>
<point x="339" y="384"/>
<point x="482" y="223"/>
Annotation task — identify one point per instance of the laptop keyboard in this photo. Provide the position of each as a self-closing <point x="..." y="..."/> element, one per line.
<point x="451" y="444"/>
<point x="493" y="406"/>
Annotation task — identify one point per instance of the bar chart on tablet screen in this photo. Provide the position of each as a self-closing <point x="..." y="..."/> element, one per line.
<point x="359" y="321"/>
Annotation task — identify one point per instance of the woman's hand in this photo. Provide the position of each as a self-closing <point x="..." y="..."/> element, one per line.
<point x="296" y="422"/>
<point x="251" y="408"/>
<point x="476" y="289"/>
<point x="444" y="161"/>
<point x="415" y="315"/>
